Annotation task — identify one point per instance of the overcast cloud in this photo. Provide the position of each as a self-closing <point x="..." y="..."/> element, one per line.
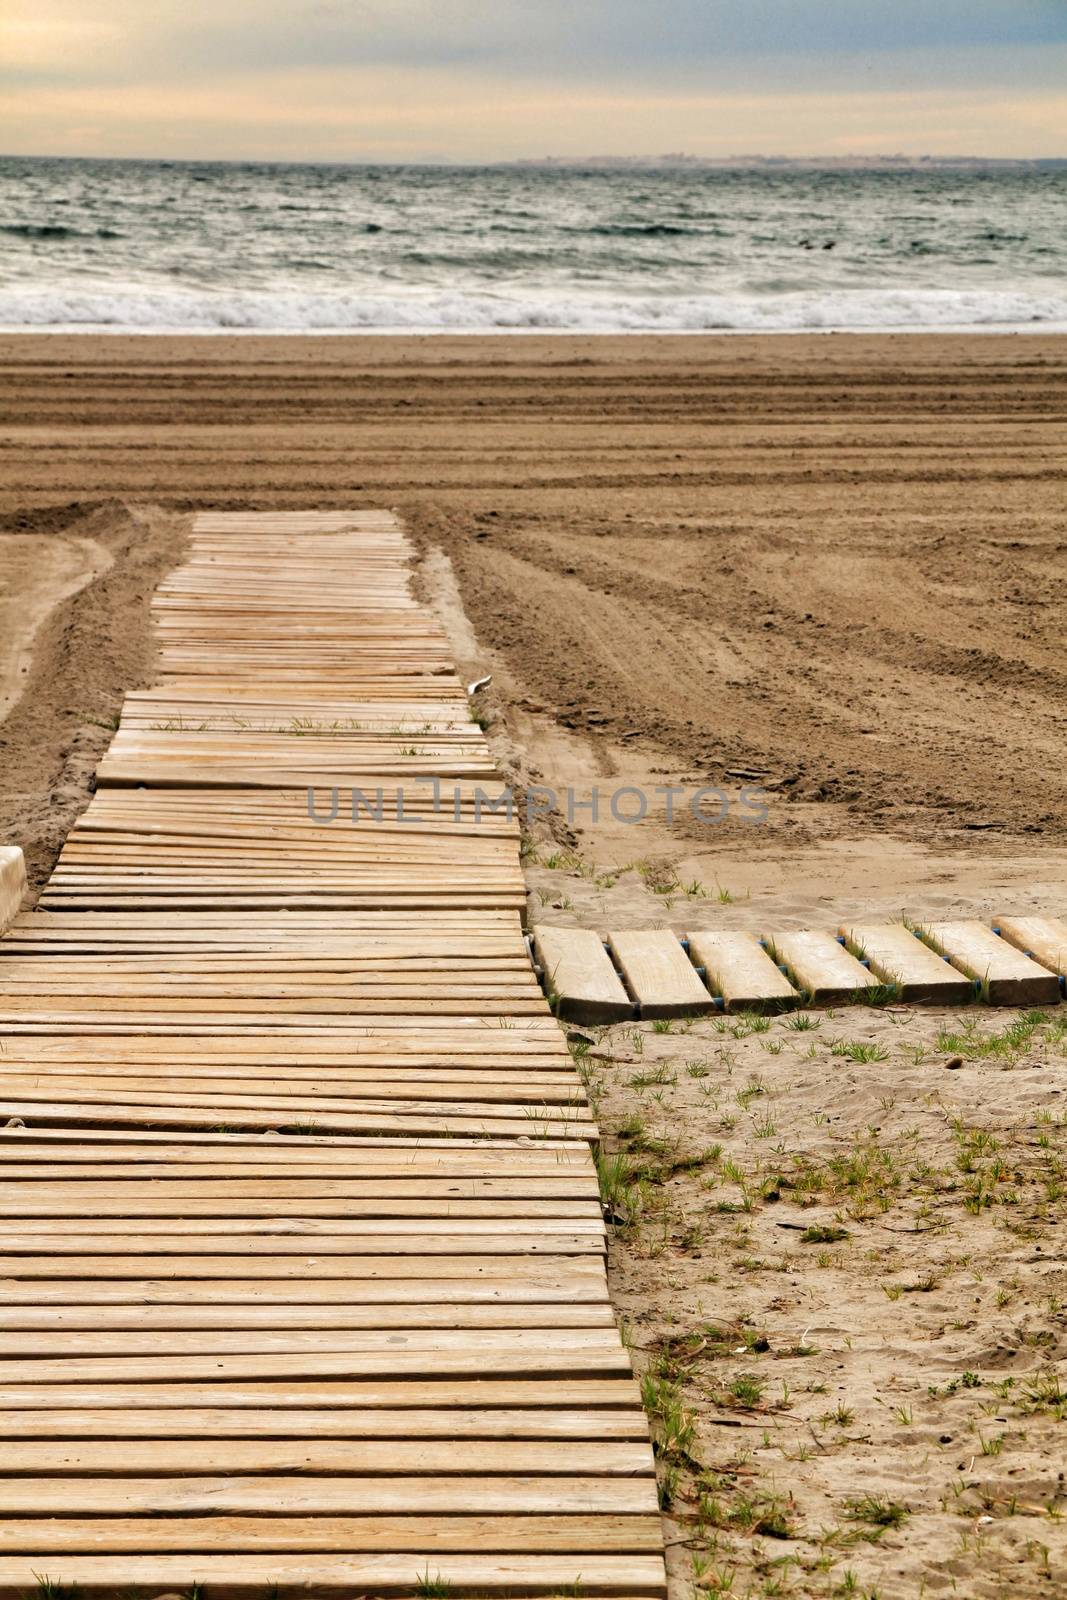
<point x="494" y="79"/>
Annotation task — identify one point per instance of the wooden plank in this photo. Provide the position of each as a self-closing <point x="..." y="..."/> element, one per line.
<point x="740" y="970"/>
<point x="277" y="1262"/>
<point x="244" y="1576"/>
<point x="425" y="1343"/>
<point x="658" y="974"/>
<point x="603" y="1533"/>
<point x="483" y="1155"/>
<point x="12" y="883"/>
<point x="316" y="1496"/>
<point x="1042" y="938"/>
<point x="820" y="966"/>
<point x="54" y="1316"/>
<point x="477" y="1458"/>
<point x="342" y="1211"/>
<point x="206" y="1421"/>
<point x="278" y="1239"/>
<point x="571" y="1296"/>
<point x="1007" y="977"/>
<point x="363" y="1395"/>
<point x="120" y="1191"/>
<point x="581" y="980"/>
<point x="898" y="956"/>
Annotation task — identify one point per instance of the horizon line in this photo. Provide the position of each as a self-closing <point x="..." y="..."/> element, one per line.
<point x="677" y="158"/>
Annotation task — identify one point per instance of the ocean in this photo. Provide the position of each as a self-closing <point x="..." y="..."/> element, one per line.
<point x="153" y="246"/>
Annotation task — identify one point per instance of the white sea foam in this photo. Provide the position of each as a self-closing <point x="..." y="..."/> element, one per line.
<point x="140" y="309"/>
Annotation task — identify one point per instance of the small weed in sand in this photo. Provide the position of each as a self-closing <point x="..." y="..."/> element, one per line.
<point x="672" y="1424"/>
<point x="824" y="1235"/>
<point x="726" y="897"/>
<point x="654" y="1075"/>
<point x="1045" y="1393"/>
<point x="432" y="1588"/>
<point x="750" y="1022"/>
<point x="876" y="1513"/>
<point x="974" y="1044"/>
<point x="750" y="1514"/>
<point x="746" y="1390"/>
<point x="858" y="1050"/>
<point x="877" y="994"/>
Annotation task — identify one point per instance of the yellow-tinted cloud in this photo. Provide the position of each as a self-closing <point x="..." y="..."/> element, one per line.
<point x="441" y="113"/>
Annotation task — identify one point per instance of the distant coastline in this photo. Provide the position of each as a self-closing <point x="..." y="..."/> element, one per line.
<point x="757" y="163"/>
<point x="674" y="160"/>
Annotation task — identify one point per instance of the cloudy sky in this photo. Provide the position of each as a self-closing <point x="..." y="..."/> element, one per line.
<point x="470" y="80"/>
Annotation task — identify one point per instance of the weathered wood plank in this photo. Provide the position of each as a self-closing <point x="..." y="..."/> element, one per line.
<point x="315" y="1496"/>
<point x="12" y="883"/>
<point x="579" y="1534"/>
<point x="242" y="1577"/>
<point x="342" y="1421"/>
<point x="477" y="1458"/>
<point x="658" y="973"/>
<point x="897" y="955"/>
<point x="580" y="978"/>
<point x="1043" y="938"/>
<point x="821" y="966"/>
<point x="740" y="970"/>
<point x="1007" y="977"/>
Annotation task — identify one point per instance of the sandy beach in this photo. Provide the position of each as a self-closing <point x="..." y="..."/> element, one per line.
<point x="824" y="566"/>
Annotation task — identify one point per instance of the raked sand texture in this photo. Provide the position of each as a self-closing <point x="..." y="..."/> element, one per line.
<point x="301" y="1250"/>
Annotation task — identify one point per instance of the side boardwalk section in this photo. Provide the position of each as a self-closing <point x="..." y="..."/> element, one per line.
<point x="302" y="1283"/>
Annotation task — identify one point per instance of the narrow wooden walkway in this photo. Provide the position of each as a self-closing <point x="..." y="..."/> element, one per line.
<point x="302" y="1284"/>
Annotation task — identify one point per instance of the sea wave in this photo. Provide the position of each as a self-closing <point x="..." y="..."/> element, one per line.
<point x="633" y="230"/>
<point x="54" y="230"/>
<point x="148" y="309"/>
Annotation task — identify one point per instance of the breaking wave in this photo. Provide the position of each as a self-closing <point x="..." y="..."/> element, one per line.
<point x="286" y="310"/>
<point x="54" y="230"/>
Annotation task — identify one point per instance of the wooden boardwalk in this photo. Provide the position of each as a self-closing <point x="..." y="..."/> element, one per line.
<point x="302" y="1283"/>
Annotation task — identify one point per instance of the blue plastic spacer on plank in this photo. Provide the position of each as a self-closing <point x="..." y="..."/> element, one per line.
<point x="720" y="1003"/>
<point x="840" y="938"/>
